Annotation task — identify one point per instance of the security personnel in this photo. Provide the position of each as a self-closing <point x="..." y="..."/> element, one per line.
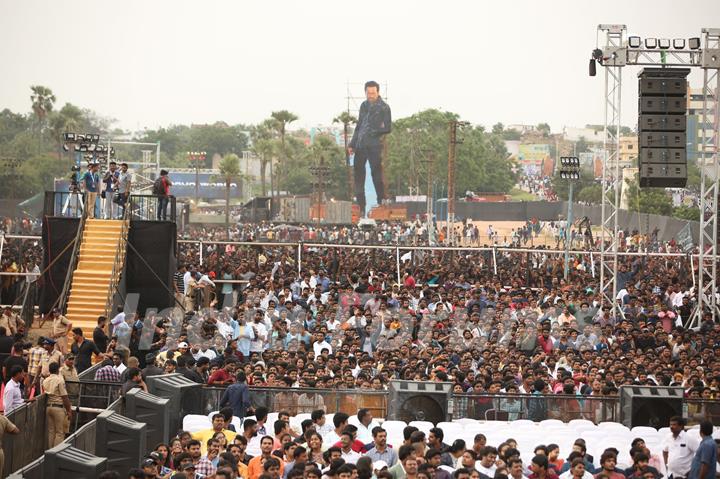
<point x="72" y="384"/>
<point x="58" y="409"/>
<point x="49" y="356"/>
<point x="61" y="327"/>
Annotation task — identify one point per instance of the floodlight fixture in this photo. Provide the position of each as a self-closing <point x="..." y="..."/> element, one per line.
<point x="651" y="43"/>
<point x="634" y="42"/>
<point x="679" y="43"/>
<point x="91" y="147"/>
<point x="592" y="69"/>
<point x="69" y="136"/>
<point x="694" y="43"/>
<point x="664" y="43"/>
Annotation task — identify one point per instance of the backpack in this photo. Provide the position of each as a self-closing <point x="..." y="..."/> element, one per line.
<point x="158" y="187"/>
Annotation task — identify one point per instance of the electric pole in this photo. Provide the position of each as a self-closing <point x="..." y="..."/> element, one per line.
<point x="453" y="142"/>
<point x="321" y="172"/>
<point x="429" y="162"/>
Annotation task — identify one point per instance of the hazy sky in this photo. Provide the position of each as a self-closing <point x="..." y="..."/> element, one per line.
<point x="150" y="62"/>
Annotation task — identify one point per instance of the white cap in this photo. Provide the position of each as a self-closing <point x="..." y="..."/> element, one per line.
<point x="182" y="345"/>
<point x="379" y="465"/>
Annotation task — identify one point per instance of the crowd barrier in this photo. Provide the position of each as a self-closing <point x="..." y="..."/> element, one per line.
<point x="24" y="452"/>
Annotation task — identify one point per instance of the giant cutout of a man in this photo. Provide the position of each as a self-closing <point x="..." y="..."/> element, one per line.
<point x="374" y="122"/>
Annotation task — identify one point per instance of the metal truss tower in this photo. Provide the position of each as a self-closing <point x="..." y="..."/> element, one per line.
<point x="616" y="54"/>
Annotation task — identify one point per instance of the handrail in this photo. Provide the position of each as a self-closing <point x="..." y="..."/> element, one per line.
<point x="73" y="262"/>
<point x="118" y="261"/>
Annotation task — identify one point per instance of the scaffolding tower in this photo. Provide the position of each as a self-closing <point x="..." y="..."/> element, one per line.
<point x="616" y="54"/>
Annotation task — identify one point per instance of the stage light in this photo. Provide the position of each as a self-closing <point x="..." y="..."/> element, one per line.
<point x="650" y="43"/>
<point x="82" y="148"/>
<point x="592" y="68"/>
<point x="79" y="137"/>
<point x="664" y="43"/>
<point x="694" y="43"/>
<point x="634" y="42"/>
<point x="679" y="43"/>
<point x="91" y="147"/>
<point x="69" y="136"/>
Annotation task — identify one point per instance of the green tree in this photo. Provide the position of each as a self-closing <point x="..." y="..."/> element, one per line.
<point x="590" y="194"/>
<point x="498" y="128"/>
<point x="11" y="124"/>
<point x="482" y="163"/>
<point x="282" y="119"/>
<point x="648" y="200"/>
<point x="229" y="168"/>
<point x="346" y="119"/>
<point x="42" y="102"/>
<point x="511" y="135"/>
<point x="686" y="213"/>
<point x="543" y="128"/>
<point x="265" y="147"/>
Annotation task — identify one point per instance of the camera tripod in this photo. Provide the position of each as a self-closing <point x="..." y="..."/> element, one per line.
<point x="78" y="203"/>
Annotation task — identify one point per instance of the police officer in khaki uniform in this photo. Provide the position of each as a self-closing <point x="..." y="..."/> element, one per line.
<point x="58" y="409"/>
<point x="49" y="356"/>
<point x="61" y="327"/>
<point x="6" y="427"/>
<point x="11" y="322"/>
<point x="72" y="384"/>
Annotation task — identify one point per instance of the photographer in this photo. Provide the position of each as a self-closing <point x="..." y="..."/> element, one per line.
<point x="110" y="179"/>
<point x="91" y="183"/>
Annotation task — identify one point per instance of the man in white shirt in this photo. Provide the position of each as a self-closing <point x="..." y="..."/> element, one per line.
<point x="12" y="397"/>
<point x="350" y="456"/>
<point x="364" y="433"/>
<point x="320" y="344"/>
<point x="486" y="464"/>
<point x="679" y="449"/>
<point x="260" y="331"/>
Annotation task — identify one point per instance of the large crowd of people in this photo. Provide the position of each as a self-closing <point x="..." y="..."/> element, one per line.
<point x="505" y="324"/>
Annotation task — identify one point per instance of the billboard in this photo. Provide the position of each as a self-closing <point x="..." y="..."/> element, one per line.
<point x="212" y="186"/>
<point x="531" y="157"/>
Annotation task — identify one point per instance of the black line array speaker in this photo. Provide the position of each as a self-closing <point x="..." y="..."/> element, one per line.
<point x="650" y="405"/>
<point x="184" y="396"/>
<point x="419" y="401"/>
<point x="120" y="439"/>
<point x="153" y="411"/>
<point x="66" y="462"/>
<point x="662" y="144"/>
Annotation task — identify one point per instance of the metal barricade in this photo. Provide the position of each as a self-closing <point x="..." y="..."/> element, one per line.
<point x="147" y="208"/>
<point x="299" y="401"/>
<point x="23" y="448"/>
<point x="511" y="407"/>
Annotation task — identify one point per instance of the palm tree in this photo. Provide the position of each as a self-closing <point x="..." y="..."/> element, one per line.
<point x="264" y="147"/>
<point x="42" y="103"/>
<point x="282" y="119"/>
<point x="68" y="119"/>
<point x="347" y="119"/>
<point x="229" y="171"/>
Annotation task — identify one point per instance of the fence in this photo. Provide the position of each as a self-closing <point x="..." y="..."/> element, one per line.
<point x="23" y="448"/>
<point x="299" y="401"/>
<point x="511" y="407"/>
<point x="142" y="207"/>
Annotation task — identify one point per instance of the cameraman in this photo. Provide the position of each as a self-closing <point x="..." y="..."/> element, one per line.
<point x="110" y="179"/>
<point x="124" y="181"/>
<point x="91" y="183"/>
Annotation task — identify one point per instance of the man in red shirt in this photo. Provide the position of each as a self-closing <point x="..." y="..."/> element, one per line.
<point x="162" y="190"/>
<point x="224" y="375"/>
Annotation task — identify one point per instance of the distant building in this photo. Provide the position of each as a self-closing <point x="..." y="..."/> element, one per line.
<point x="588" y="134"/>
<point x="628" y="151"/>
<point x="523" y="129"/>
<point x="694" y="133"/>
